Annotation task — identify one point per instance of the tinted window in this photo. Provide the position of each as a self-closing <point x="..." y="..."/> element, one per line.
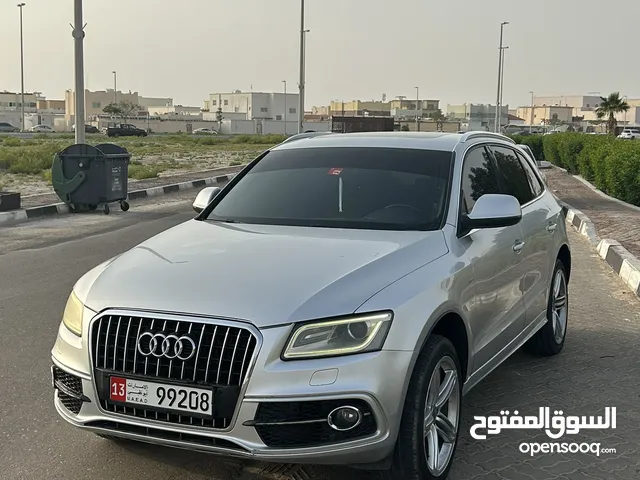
<point x="478" y="178"/>
<point x="374" y="188"/>
<point x="514" y="178"/>
<point x="534" y="183"/>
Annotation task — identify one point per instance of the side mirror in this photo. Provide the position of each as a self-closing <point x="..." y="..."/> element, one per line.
<point x="493" y="211"/>
<point x="204" y="198"/>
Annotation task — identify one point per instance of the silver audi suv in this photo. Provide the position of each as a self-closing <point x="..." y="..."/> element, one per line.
<point x="330" y="305"/>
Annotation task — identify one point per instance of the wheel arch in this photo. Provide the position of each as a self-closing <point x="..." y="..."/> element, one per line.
<point x="564" y="255"/>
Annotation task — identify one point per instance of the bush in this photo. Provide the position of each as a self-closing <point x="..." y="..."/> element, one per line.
<point x="612" y="165"/>
<point x="534" y="142"/>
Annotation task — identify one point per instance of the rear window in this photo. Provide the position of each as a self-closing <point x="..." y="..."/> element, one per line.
<point x="371" y="188"/>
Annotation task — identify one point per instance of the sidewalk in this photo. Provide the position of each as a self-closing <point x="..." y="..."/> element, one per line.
<point x="51" y="198"/>
<point x="611" y="219"/>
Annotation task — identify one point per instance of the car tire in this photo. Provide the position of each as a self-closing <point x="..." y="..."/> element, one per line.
<point x="436" y="381"/>
<point x="549" y="340"/>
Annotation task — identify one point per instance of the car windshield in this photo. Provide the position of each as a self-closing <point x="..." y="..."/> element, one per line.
<point x="367" y="188"/>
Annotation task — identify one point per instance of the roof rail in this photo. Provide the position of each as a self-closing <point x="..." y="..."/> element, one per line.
<point x="471" y="135"/>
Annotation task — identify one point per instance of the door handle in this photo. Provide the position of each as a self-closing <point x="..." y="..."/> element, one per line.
<point x="518" y="246"/>
<point x="551" y="227"/>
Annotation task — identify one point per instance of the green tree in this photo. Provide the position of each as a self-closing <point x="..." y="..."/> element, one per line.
<point x="122" y="109"/>
<point x="609" y="106"/>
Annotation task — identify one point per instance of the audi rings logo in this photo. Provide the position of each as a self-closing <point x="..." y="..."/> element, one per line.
<point x="168" y="346"/>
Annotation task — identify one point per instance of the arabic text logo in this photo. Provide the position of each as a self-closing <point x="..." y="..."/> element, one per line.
<point x="555" y="427"/>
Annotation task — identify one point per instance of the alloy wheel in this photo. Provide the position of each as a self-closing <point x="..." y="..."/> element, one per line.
<point x="441" y="416"/>
<point x="559" y="308"/>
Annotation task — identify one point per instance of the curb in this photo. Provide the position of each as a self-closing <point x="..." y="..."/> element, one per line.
<point x="621" y="261"/>
<point x="19" y="216"/>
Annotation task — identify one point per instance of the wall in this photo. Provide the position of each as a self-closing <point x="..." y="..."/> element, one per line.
<point x="154" y="101"/>
<point x="425" y="126"/>
<point x="174" y="110"/>
<point x="269" y="127"/>
<point x="32" y="119"/>
<point x="157" y="125"/>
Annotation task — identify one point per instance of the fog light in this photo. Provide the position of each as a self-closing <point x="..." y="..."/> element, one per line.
<point x="344" y="418"/>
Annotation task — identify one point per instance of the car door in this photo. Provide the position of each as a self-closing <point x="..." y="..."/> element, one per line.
<point x="519" y="179"/>
<point x="497" y="314"/>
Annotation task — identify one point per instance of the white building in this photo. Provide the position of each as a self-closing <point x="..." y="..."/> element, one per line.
<point x="256" y="105"/>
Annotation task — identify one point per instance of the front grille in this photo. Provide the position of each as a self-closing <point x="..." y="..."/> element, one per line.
<point x="304" y="424"/>
<point x="69" y="390"/>
<point x="222" y="358"/>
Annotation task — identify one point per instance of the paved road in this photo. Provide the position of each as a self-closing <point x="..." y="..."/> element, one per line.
<point x="40" y="261"/>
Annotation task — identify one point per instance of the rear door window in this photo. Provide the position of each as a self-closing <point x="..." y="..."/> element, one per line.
<point x="513" y="176"/>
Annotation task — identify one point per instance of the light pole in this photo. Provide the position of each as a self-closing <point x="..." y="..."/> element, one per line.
<point x="532" y="110"/>
<point x="417" y="109"/>
<point x="115" y="87"/>
<point x="20" y="5"/>
<point x="78" y="36"/>
<point x="301" y="83"/>
<point x="497" y="119"/>
<point x="502" y="81"/>
<point x="284" y="117"/>
<point x="624" y="99"/>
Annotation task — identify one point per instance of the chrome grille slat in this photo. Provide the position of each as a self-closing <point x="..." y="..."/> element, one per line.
<point x="224" y="344"/>
<point x="106" y="343"/>
<point x="126" y="341"/>
<point x="115" y="343"/>
<point x="233" y="349"/>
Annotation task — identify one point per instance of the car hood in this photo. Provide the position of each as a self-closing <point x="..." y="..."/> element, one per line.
<point x="267" y="275"/>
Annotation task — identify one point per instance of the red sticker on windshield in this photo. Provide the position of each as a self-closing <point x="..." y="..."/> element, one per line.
<point x="335" y="171"/>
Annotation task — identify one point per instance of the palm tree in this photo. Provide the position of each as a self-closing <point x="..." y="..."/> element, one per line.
<point x="610" y="106"/>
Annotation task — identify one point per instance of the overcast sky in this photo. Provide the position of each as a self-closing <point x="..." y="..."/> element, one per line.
<point x="357" y="49"/>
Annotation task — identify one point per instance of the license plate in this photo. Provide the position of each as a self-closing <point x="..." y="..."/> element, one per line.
<point x="160" y="395"/>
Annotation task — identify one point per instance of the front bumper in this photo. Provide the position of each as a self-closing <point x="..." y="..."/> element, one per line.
<point x="376" y="380"/>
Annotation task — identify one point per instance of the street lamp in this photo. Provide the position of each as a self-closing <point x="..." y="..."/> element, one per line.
<point x="502" y="79"/>
<point x="20" y="5"/>
<point x="532" y="110"/>
<point x="497" y="119"/>
<point x="115" y="87"/>
<point x="284" y="117"/>
<point x="417" y="114"/>
<point x="624" y="99"/>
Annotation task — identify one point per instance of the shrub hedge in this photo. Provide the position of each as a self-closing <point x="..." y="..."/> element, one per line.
<point x="611" y="164"/>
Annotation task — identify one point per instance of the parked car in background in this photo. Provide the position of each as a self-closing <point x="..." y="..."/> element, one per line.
<point x="630" y="133"/>
<point x="125" y="130"/>
<point x="204" y="131"/>
<point x="41" y="129"/>
<point x="87" y="129"/>
<point x="367" y="281"/>
<point x="8" y="128"/>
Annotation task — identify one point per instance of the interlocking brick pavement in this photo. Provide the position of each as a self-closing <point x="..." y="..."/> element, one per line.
<point x="612" y="219"/>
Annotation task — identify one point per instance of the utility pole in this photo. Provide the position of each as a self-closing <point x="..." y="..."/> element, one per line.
<point x="302" y="76"/>
<point x="78" y="36"/>
<point x="497" y="119"/>
<point x="115" y="87"/>
<point x="502" y="81"/>
<point x="284" y="117"/>
<point x="20" y="5"/>
<point x="417" y="109"/>
<point x="532" y="110"/>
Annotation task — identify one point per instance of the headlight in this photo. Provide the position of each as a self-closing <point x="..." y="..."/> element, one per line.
<point x="357" y="334"/>
<point x="72" y="316"/>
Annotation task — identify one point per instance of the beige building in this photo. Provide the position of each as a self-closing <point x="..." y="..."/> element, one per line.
<point x="12" y="101"/>
<point x="546" y="115"/>
<point x="94" y="102"/>
<point x="356" y="108"/>
<point x="401" y="107"/>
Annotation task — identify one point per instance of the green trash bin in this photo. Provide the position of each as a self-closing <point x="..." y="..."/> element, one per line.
<point x="85" y="177"/>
